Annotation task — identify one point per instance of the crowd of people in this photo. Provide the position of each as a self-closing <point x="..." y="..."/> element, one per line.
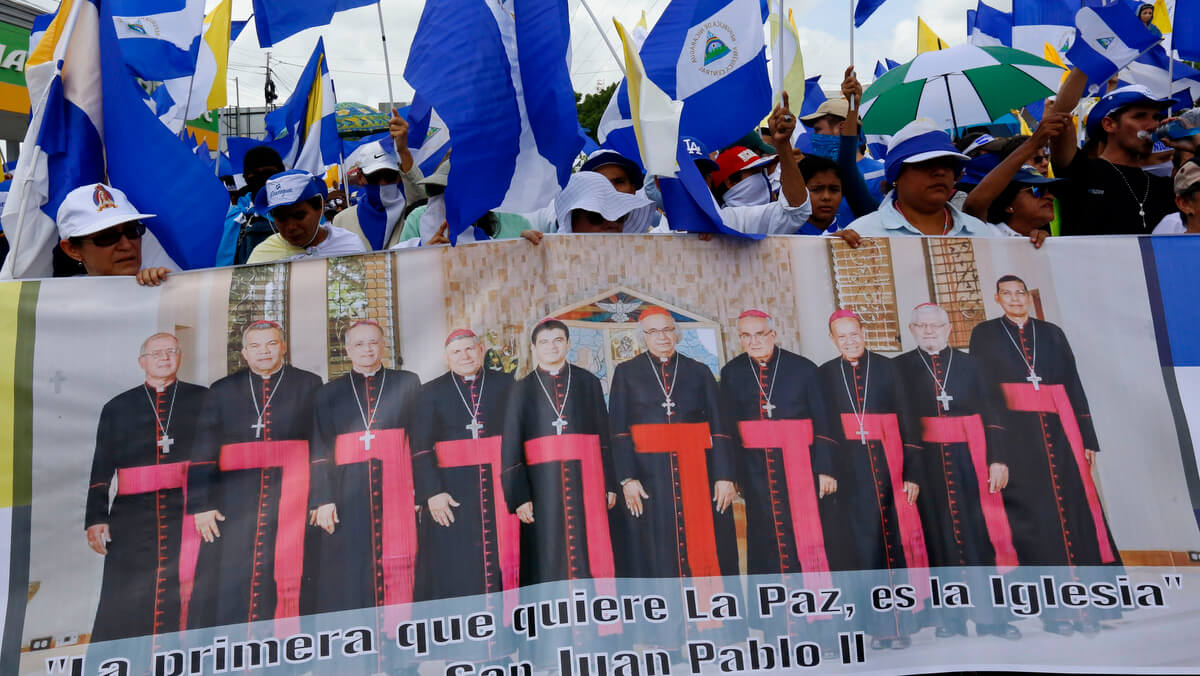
<point x="1119" y="181"/>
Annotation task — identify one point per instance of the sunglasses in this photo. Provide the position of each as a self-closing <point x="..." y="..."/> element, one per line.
<point x="1038" y="192"/>
<point x="106" y="238"/>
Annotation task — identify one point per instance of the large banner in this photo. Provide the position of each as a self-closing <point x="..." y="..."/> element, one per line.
<point x="609" y="456"/>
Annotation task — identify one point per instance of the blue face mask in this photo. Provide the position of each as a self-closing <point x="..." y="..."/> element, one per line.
<point x="826" y="145"/>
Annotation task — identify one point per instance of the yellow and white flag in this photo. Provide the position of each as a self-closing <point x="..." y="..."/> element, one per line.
<point x="787" y="62"/>
<point x="655" y="115"/>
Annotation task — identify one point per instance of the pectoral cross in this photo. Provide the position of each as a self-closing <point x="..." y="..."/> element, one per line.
<point x="258" y="428"/>
<point x="559" y="424"/>
<point x="57" y="380"/>
<point x="164" y="444"/>
<point x="768" y="407"/>
<point x="1035" y="379"/>
<point x="862" y="434"/>
<point x="945" y="399"/>
<point x="669" y="405"/>
<point x="474" y="427"/>
<point x="366" y="439"/>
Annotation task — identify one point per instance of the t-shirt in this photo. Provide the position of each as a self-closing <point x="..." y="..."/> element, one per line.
<point x="1102" y="198"/>
<point x="339" y="242"/>
<point x="1171" y="225"/>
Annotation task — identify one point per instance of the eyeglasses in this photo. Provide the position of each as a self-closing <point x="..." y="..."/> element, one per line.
<point x="1038" y="192"/>
<point x="925" y="326"/>
<point x="758" y="335"/>
<point x="669" y="331"/>
<point x="160" y="354"/>
<point x="106" y="238"/>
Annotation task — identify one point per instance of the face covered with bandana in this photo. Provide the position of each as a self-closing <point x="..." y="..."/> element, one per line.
<point x="752" y="189"/>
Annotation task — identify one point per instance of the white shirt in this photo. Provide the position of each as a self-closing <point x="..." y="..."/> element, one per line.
<point x="774" y="218"/>
<point x="889" y="222"/>
<point x="1171" y="224"/>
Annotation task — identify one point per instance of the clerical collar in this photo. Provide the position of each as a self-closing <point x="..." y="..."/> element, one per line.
<point x="372" y="374"/>
<point x="768" y="360"/>
<point x="1028" y="318"/>
<point x="269" y="375"/>
<point x="660" y="360"/>
<point x="938" y="353"/>
<point x="470" y="378"/>
<point x="162" y="388"/>
<point x="555" y="372"/>
<point x="855" y="362"/>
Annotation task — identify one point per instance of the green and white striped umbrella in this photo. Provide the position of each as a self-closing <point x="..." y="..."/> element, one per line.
<point x="957" y="87"/>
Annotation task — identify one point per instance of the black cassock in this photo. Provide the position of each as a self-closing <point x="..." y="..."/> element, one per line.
<point x="1053" y="521"/>
<point x="558" y="544"/>
<point x="790" y="385"/>
<point x="657" y="544"/>
<point x="877" y="539"/>
<point x="238" y="578"/>
<point x="360" y="487"/>
<point x="138" y="596"/>
<point x="463" y="558"/>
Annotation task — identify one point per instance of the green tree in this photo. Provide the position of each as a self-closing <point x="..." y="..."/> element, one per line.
<point x="591" y="108"/>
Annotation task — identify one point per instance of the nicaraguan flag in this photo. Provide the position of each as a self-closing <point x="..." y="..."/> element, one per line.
<point x="688" y="201"/>
<point x="159" y="38"/>
<point x="307" y="122"/>
<point x="1037" y="22"/>
<point x="276" y="20"/>
<point x="1106" y="40"/>
<point x="428" y="135"/>
<point x="88" y="124"/>
<point x="711" y="55"/>
<point x="990" y="27"/>
<point x="542" y="35"/>
<point x="204" y="89"/>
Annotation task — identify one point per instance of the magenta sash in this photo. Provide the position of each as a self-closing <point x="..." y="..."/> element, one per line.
<point x="1054" y="399"/>
<point x="151" y="478"/>
<point x="969" y="429"/>
<point x="390" y="448"/>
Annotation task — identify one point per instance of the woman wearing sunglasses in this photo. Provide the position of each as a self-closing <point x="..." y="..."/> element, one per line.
<point x="99" y="228"/>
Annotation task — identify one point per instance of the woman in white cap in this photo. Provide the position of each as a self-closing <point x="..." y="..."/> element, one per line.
<point x="296" y="201"/>
<point x="100" y="229"/>
<point x="590" y="204"/>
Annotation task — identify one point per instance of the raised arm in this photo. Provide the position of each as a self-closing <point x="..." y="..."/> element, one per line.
<point x="979" y="199"/>
<point x="1064" y="146"/>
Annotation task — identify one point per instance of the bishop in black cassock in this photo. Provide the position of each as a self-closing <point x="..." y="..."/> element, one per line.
<point x="874" y="432"/>
<point x="456" y="435"/>
<point x="958" y="418"/>
<point x="144" y="441"/>
<point x="557" y="467"/>
<point x="362" y="478"/>
<point x="1052" y="502"/>
<point x="252" y="466"/>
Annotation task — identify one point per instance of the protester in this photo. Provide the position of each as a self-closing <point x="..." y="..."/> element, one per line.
<point x="740" y="179"/>
<point x="426" y="224"/>
<point x="245" y="228"/>
<point x="828" y="122"/>
<point x="1110" y="194"/>
<point x="626" y="177"/>
<point x="1187" y="198"/>
<point x="105" y="242"/>
<point x="295" y="201"/>
<point x="590" y="204"/>
<point x="392" y="180"/>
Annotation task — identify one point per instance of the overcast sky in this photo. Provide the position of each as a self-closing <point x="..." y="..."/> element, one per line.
<point x="356" y="55"/>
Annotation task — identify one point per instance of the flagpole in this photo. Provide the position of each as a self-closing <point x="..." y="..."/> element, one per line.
<point x="611" y="48"/>
<point x="851" y="32"/>
<point x="387" y="66"/>
<point x="779" y="55"/>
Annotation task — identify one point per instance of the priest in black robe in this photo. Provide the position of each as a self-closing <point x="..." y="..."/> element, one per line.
<point x="144" y="441"/>
<point x="362" y="481"/>
<point x="248" y="486"/>
<point x="1052" y="501"/>
<point x="558" y="473"/>
<point x="468" y="539"/>
<point x="879" y="476"/>
<point x="966" y="527"/>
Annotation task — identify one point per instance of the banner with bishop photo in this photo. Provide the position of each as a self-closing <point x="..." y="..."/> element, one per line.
<point x="609" y="455"/>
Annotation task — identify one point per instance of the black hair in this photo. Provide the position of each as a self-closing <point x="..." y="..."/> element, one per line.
<point x="812" y="165"/>
<point x="259" y="157"/>
<point x="1010" y="278"/>
<point x="998" y="209"/>
<point x="548" y="325"/>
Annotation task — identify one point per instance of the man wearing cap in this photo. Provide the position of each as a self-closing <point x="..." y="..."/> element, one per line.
<point x="1111" y="194"/>
<point x="1187" y="197"/>
<point x="295" y="201"/>
<point x="879" y="474"/>
<point x="831" y="136"/>
<point x="426" y="224"/>
<point x="783" y="445"/>
<point x="100" y="229"/>
<point x="967" y="529"/>
<point x="671" y="446"/>
<point x="360" y="449"/>
<point x="558" y="474"/>
<point x="245" y="228"/>
<point x="922" y="165"/>
<point x="392" y="179"/>
<point x="469" y="539"/>
<point x="248" y="485"/>
<point x="144" y="440"/>
<point x="1052" y="501"/>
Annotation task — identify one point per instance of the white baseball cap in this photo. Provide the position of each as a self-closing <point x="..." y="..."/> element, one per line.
<point x="91" y="208"/>
<point x="373" y="157"/>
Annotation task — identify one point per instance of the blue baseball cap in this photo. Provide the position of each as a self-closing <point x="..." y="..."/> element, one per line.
<point x="288" y="187"/>
<point x="698" y="152"/>
<point x="1120" y="99"/>
<point x="1027" y="175"/>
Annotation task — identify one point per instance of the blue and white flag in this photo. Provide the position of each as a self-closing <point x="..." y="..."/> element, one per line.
<point x="428" y="135"/>
<point x="1185" y="38"/>
<point x="711" y="55"/>
<point x="236" y="28"/>
<point x="1037" y="23"/>
<point x="542" y="35"/>
<point x="82" y="87"/>
<point x="864" y="9"/>
<point x="1107" y="39"/>
<point x="307" y="122"/>
<point x="615" y="131"/>
<point x="277" y="20"/>
<point x="159" y="39"/>
<point x="990" y="27"/>
<point x="687" y="200"/>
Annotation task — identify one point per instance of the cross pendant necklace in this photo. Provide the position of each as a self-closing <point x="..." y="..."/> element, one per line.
<point x="165" y="441"/>
<point x="367" y="434"/>
<point x="860" y="416"/>
<point x="1033" y="377"/>
<point x="768" y="407"/>
<point x="258" y="426"/>
<point x="559" y="421"/>
<point x="667" y="403"/>
<point x="474" y="426"/>
<point x="944" y="397"/>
